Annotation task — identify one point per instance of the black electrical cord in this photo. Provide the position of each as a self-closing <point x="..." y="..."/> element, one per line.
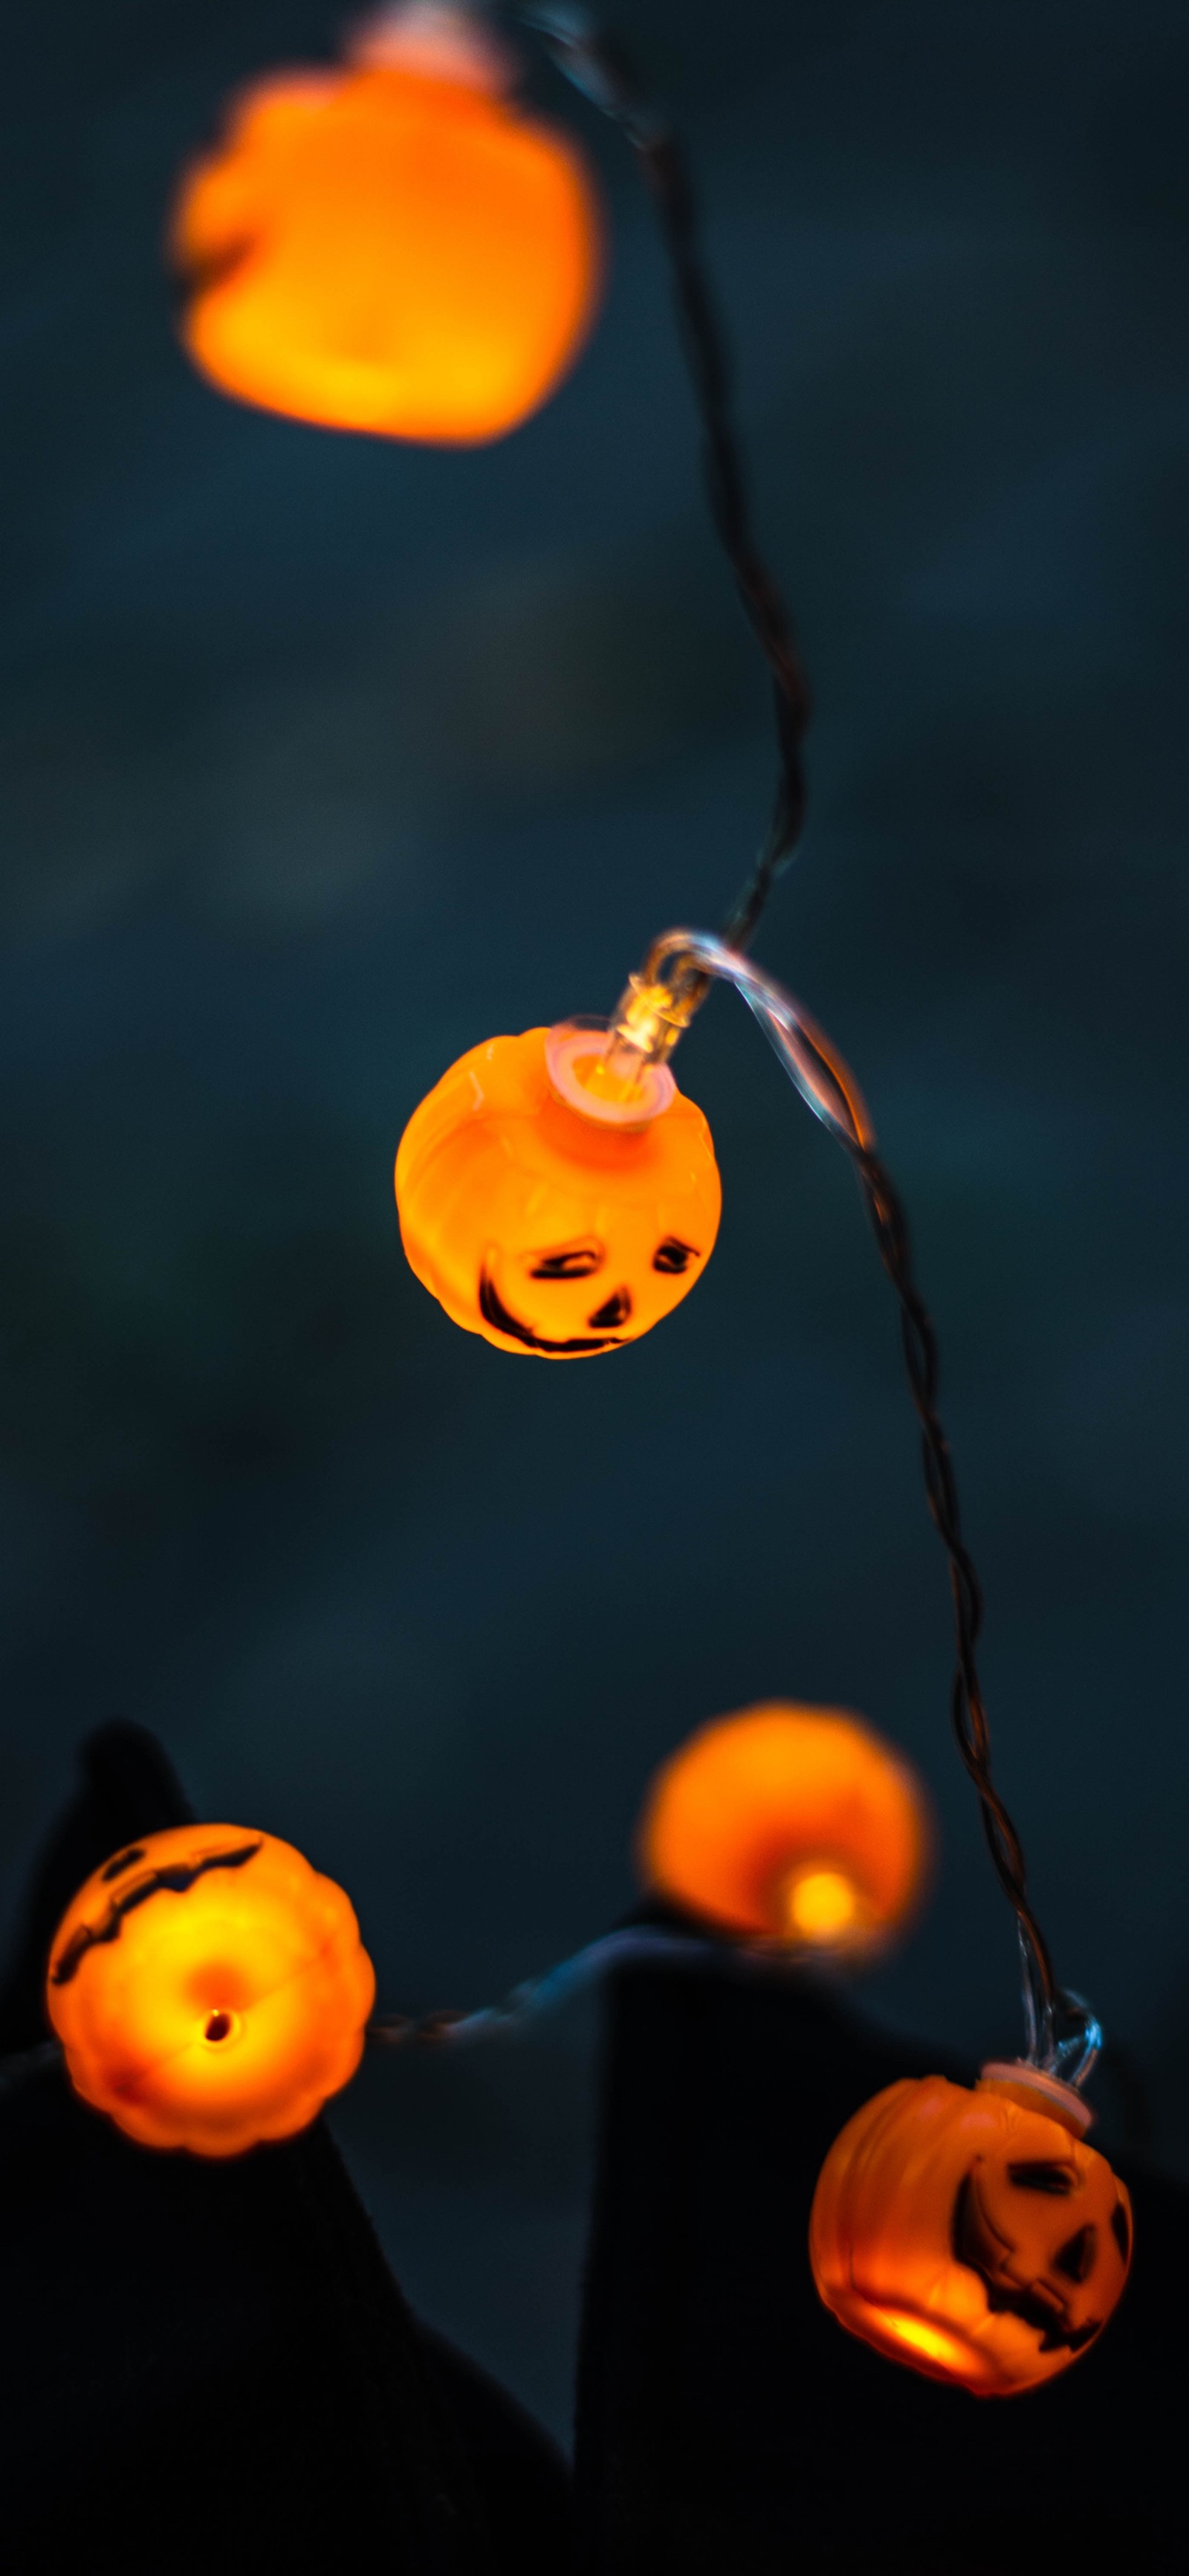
<point x="967" y="1710"/>
<point x="594" y="63"/>
<point x="1060" y="2028"/>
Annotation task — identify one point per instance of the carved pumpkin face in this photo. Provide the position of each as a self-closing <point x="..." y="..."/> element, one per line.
<point x="975" y="2239"/>
<point x="797" y="1825"/>
<point x="209" y="1989"/>
<point x="540" y="1229"/>
<point x="387" y="249"/>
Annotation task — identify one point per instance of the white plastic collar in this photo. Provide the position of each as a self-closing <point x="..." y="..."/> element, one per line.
<point x="1075" y="2113"/>
<point x="574" y="1038"/>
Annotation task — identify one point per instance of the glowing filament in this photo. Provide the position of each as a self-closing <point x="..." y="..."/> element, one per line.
<point x="929" y="2341"/>
<point x="820" y="1904"/>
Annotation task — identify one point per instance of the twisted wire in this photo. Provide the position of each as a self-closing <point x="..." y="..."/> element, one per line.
<point x="1062" y="2033"/>
<point x="968" y="1714"/>
<point x="597" y="67"/>
<point x="594" y="64"/>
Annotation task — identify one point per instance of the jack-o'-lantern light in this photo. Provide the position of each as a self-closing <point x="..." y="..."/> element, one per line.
<point x="937" y="2235"/>
<point x="393" y="246"/>
<point x="210" y="1989"/>
<point x="972" y="2233"/>
<point x="555" y="1211"/>
<point x="798" y="1826"/>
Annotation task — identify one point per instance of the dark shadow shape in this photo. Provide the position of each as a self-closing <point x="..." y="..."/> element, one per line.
<point x="725" y="2421"/>
<point x="210" y="2365"/>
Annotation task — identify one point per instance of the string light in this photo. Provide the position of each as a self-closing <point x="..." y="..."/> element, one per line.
<point x="795" y="1825"/>
<point x="558" y="1195"/>
<point x="394" y="246"/>
<point x="209" y="1990"/>
<point x="1062" y="2036"/>
<point x="971" y="2232"/>
<point x="969" y="2344"/>
<point x="554" y="1210"/>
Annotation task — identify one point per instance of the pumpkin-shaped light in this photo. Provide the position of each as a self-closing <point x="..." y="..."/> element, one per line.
<point x="391" y="247"/>
<point x="551" y="1219"/>
<point x="797" y="1825"/>
<point x="971" y="2234"/>
<point x="209" y="1989"/>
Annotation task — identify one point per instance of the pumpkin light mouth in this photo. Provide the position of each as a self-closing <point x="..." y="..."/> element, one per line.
<point x="502" y="1320"/>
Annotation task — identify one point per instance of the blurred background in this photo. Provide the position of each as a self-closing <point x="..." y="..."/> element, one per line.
<point x="324" y="758"/>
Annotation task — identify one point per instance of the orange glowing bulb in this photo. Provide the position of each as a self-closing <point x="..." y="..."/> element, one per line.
<point x="793" y="1824"/>
<point x="548" y="1226"/>
<point x="971" y="2234"/>
<point x="821" y="1905"/>
<point x="209" y="1989"/>
<point x="391" y="247"/>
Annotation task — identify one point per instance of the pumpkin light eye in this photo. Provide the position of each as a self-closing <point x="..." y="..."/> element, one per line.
<point x="1055" y="2179"/>
<point x="123" y="1860"/>
<point x="573" y="1261"/>
<point x="673" y="1257"/>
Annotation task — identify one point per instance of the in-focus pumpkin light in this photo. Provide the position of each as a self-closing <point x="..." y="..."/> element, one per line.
<point x="209" y="1989"/>
<point x="797" y="1825"/>
<point x="972" y="2234"/>
<point x="391" y="247"/>
<point x="545" y="1212"/>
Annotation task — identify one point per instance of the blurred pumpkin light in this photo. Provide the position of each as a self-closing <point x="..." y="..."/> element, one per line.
<point x="547" y="1211"/>
<point x="209" y="1989"/>
<point x="797" y="1825"/>
<point x="392" y="246"/>
<point x="971" y="2234"/>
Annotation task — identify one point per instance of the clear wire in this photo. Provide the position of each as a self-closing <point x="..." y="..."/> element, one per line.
<point x="631" y="1947"/>
<point x="824" y="1080"/>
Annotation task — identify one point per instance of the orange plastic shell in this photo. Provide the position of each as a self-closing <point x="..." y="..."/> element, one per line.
<point x="536" y="1227"/>
<point x="209" y="1989"/>
<point x="973" y="2239"/>
<point x="380" y="249"/>
<point x="789" y="1823"/>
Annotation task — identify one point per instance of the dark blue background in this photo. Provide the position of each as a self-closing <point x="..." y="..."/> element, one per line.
<point x="325" y="758"/>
